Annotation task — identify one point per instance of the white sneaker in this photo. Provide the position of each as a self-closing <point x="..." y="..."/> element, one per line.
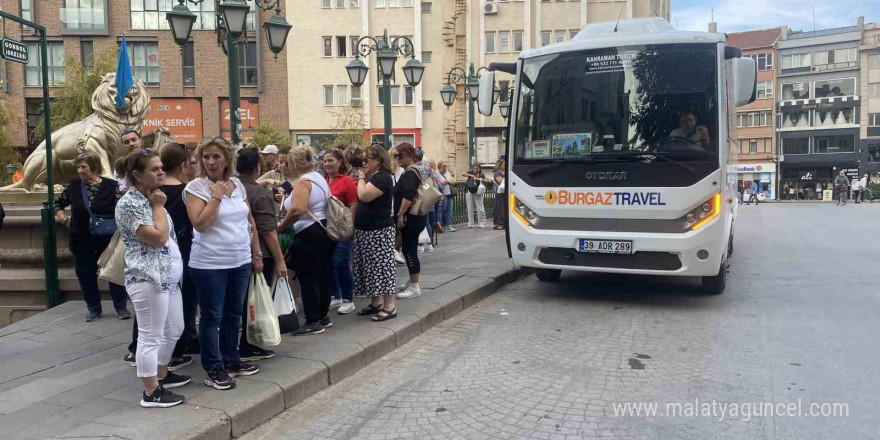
<point x="335" y="303"/>
<point x="470" y="226"/>
<point x="421" y="249"/>
<point x="449" y="229"/>
<point x="346" y="307"/>
<point x="482" y="226"/>
<point x="398" y="257"/>
<point x="429" y="248"/>
<point x="413" y="291"/>
<point x="404" y="286"/>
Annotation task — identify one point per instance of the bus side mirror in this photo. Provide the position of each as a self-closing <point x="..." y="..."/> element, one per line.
<point x="745" y="77"/>
<point x="487" y="88"/>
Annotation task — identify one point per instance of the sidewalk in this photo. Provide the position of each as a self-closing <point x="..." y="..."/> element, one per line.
<point x="61" y="377"/>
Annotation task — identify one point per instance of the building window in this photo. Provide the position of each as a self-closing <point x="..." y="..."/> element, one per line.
<point x="393" y="3"/>
<point x="84" y="16"/>
<point x="504" y="41"/>
<point x="874" y="119"/>
<point x="145" y="61"/>
<point x="800" y="90"/>
<point x="355" y="95"/>
<point x="327" y="4"/>
<point x="795" y="118"/>
<point x="408" y="96"/>
<point x="832" y="117"/>
<point x="764" y="61"/>
<point x="340" y="4"/>
<point x="27" y="10"/>
<point x="33" y="69"/>
<point x="834" y="87"/>
<point x="380" y="3"/>
<point x="189" y="65"/>
<point x="206" y="16"/>
<point x="426" y="7"/>
<point x="560" y="36"/>
<point x="874" y="60"/>
<point x="490" y="42"/>
<point x="341" y="47"/>
<point x="427" y="105"/>
<point x="328" y="96"/>
<point x="834" y="144"/>
<point x="874" y="152"/>
<point x="754" y="119"/>
<point x="835" y="59"/>
<point x="87" y="55"/>
<point x="395" y="95"/>
<point x="573" y="33"/>
<point x="247" y="64"/>
<point x="34" y="112"/>
<point x="426" y="56"/>
<point x="342" y="95"/>
<point x="753" y="146"/>
<point x="545" y="37"/>
<point x="874" y="89"/>
<point x="765" y="89"/>
<point x="327" y="48"/>
<point x="517" y="41"/>
<point x="149" y="14"/>
<point x="407" y="3"/>
<point x="796" y="146"/>
<point x="796" y="61"/>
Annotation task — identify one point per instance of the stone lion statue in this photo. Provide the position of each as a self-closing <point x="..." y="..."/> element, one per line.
<point x="98" y="134"/>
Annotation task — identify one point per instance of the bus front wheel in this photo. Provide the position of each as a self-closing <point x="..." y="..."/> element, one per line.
<point x="548" y="274"/>
<point x="715" y="284"/>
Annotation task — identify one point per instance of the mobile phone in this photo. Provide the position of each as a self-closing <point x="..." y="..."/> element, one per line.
<point x="288" y="188"/>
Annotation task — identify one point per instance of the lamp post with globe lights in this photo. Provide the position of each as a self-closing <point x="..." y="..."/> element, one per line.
<point x="471" y="92"/>
<point x="231" y="19"/>
<point x="386" y="56"/>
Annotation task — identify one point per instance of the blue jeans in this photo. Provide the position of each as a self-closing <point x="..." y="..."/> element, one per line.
<point x="446" y="210"/>
<point x="85" y="263"/>
<point x="221" y="294"/>
<point x="340" y="276"/>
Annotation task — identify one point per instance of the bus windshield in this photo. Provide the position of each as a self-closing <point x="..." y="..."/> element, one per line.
<point x="634" y="104"/>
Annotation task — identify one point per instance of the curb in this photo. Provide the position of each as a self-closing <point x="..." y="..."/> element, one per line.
<point x="302" y="367"/>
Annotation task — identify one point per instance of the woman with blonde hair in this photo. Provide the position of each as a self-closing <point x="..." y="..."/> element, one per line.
<point x="312" y="251"/>
<point x="225" y="249"/>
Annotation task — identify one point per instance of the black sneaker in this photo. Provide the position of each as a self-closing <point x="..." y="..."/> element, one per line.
<point x="241" y="369"/>
<point x="314" y="328"/>
<point x="178" y="363"/>
<point x="161" y="398"/>
<point x="220" y="380"/>
<point x="130" y="359"/>
<point x="123" y="314"/>
<point x="254" y="353"/>
<point x="325" y="322"/>
<point x="92" y="316"/>
<point x="174" y="380"/>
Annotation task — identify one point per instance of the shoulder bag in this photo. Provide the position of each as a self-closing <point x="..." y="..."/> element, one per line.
<point x="111" y="263"/>
<point x="99" y="225"/>
<point x="340" y="226"/>
<point x="427" y="195"/>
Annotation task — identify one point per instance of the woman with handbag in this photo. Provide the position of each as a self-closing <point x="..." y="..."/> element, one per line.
<point x="409" y="225"/>
<point x="153" y="272"/>
<point x="311" y="256"/>
<point x="474" y="195"/>
<point x="343" y="188"/>
<point x="92" y="200"/>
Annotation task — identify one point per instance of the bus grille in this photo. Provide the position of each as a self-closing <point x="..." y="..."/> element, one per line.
<point x="640" y="260"/>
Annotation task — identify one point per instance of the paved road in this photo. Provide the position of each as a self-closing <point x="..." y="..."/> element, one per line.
<point x="798" y="323"/>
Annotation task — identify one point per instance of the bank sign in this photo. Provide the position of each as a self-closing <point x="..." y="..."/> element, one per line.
<point x="14" y="51"/>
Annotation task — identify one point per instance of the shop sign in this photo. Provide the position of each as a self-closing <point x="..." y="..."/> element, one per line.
<point x="249" y="117"/>
<point x="808" y="175"/>
<point x="756" y="168"/>
<point x="851" y="173"/>
<point x="14" y="51"/>
<point x="181" y="116"/>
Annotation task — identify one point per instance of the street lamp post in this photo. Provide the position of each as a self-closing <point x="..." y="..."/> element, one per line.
<point x="386" y="56"/>
<point x="231" y="18"/>
<point x="504" y="106"/>
<point x="471" y="92"/>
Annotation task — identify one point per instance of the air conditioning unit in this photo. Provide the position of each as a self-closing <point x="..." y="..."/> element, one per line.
<point x="356" y="102"/>
<point x="491" y="8"/>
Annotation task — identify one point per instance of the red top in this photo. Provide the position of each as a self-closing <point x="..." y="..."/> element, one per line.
<point x="344" y="188"/>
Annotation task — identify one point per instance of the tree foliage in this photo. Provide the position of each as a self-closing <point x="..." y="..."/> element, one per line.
<point x="270" y="134"/>
<point x="349" y="127"/>
<point x="72" y="100"/>
<point x="8" y="155"/>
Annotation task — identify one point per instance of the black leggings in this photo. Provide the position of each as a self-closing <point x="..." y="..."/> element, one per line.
<point x="412" y="227"/>
<point x="312" y="260"/>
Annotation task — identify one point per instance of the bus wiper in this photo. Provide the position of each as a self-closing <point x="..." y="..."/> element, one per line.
<point x="554" y="164"/>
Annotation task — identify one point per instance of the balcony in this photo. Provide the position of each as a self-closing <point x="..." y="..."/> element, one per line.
<point x="84" y="21"/>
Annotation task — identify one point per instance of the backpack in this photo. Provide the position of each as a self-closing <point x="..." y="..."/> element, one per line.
<point x="427" y="196"/>
<point x="340" y="226"/>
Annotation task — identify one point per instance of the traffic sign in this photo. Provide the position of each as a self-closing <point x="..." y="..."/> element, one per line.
<point x="13" y="50"/>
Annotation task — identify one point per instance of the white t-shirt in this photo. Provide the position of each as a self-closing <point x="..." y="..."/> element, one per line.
<point x="856" y="185"/>
<point x="317" y="201"/>
<point x="176" y="257"/>
<point x="227" y="242"/>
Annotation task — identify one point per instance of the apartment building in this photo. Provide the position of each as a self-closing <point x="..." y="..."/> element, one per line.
<point x="818" y="108"/>
<point x="188" y="87"/>
<point x="756" y="122"/>
<point x="870" y="80"/>
<point x="445" y="33"/>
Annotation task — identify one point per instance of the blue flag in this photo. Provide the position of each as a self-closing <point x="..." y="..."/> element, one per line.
<point x="124" y="79"/>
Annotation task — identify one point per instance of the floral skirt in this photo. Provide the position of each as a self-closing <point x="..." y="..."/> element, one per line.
<point x="373" y="262"/>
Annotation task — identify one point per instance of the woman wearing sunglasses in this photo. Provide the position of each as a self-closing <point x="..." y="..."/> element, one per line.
<point x="409" y="225"/>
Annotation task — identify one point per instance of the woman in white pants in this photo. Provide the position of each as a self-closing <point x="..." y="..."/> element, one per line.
<point x="153" y="269"/>
<point x="475" y="190"/>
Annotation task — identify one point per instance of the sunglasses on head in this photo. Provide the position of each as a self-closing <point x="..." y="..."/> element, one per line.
<point x="220" y="139"/>
<point x="146" y="152"/>
<point x="84" y="155"/>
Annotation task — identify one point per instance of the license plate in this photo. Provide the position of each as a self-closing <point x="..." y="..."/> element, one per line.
<point x="605" y="246"/>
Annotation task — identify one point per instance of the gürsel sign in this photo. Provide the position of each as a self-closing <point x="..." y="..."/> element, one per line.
<point x="14" y="51"/>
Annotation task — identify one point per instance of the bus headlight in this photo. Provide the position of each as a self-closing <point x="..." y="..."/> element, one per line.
<point x="522" y="212"/>
<point x="704" y="213"/>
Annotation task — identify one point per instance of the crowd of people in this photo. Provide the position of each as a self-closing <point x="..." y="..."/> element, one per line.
<point x="198" y="219"/>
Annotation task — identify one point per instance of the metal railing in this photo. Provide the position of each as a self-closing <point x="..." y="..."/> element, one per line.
<point x="459" y="207"/>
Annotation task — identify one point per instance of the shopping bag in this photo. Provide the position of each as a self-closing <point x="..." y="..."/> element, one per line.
<point x="262" y="322"/>
<point x="423" y="237"/>
<point x="284" y="302"/>
<point x="111" y="263"/>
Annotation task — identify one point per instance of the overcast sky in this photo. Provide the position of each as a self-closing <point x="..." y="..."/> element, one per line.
<point x="741" y="15"/>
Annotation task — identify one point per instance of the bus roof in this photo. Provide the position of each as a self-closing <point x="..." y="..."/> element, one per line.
<point x="636" y="31"/>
